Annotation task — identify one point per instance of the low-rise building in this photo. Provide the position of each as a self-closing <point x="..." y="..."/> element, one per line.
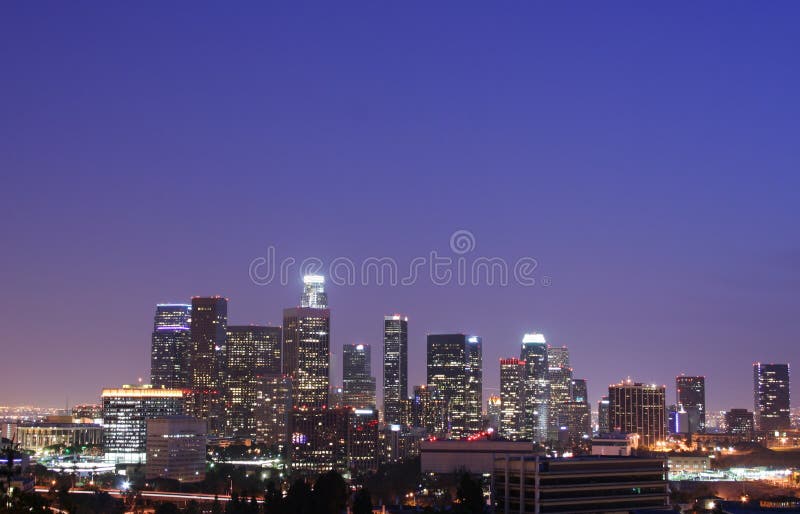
<point x="176" y="448"/>
<point x="614" y="444"/>
<point x="476" y="457"/>
<point x="687" y="463"/>
<point x="38" y="436"/>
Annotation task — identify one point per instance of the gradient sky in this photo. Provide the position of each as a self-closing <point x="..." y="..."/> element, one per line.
<point x="646" y="154"/>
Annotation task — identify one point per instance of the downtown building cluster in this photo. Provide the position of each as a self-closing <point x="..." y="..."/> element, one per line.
<point x="272" y="385"/>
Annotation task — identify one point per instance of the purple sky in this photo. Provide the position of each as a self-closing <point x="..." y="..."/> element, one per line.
<point x="646" y="155"/>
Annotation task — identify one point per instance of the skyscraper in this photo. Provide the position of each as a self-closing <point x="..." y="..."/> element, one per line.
<point x="395" y="366"/>
<point x="207" y="359"/>
<point x="428" y="409"/>
<point x="771" y="396"/>
<point x="455" y="368"/>
<point x="559" y="376"/>
<point x="169" y="356"/>
<point x="537" y="388"/>
<point x="739" y="422"/>
<point x="636" y="408"/>
<point x="579" y="390"/>
<point x="691" y="395"/>
<point x="252" y="353"/>
<point x="358" y="383"/>
<point x="603" y="415"/>
<point x="306" y="346"/>
<point x="512" y="375"/>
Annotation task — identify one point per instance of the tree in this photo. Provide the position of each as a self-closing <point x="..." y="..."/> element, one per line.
<point x="470" y="495"/>
<point x="362" y="502"/>
<point x="330" y="493"/>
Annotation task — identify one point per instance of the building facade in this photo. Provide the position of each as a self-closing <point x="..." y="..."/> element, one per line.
<point x="536" y="391"/>
<point x="395" y="366"/>
<point x="512" y="374"/>
<point x="207" y="365"/>
<point x="636" y="408"/>
<point x="358" y="384"/>
<point x="771" y="397"/>
<point x="454" y="367"/>
<point x="176" y="449"/>
<point x="170" y="349"/>
<point x="690" y="393"/>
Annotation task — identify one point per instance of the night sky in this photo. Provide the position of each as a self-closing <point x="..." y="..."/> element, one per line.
<point x="645" y="154"/>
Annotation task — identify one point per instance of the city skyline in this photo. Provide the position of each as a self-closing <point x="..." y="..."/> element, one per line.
<point x="644" y="157"/>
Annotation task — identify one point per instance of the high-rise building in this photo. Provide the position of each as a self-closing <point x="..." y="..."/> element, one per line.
<point x="395" y="366"/>
<point x="209" y="325"/>
<point x="358" y="383"/>
<point x="691" y="395"/>
<point x="176" y="449"/>
<point x="771" y="396"/>
<point x="306" y="346"/>
<point x="559" y="376"/>
<point x="512" y="375"/>
<point x="169" y="356"/>
<point x="579" y="390"/>
<point x="125" y="414"/>
<point x="427" y="409"/>
<point x="454" y="367"/>
<point x="274" y="406"/>
<point x="494" y="410"/>
<point x="363" y="445"/>
<point x="740" y="422"/>
<point x="536" y="392"/>
<point x="603" y="414"/>
<point x="318" y="440"/>
<point x="253" y="351"/>
<point x="636" y="408"/>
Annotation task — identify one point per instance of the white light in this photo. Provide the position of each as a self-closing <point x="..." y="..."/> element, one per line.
<point x="473" y="339"/>
<point x="313" y="279"/>
<point x="359" y="347"/>
<point x="533" y="338"/>
<point x="363" y="411"/>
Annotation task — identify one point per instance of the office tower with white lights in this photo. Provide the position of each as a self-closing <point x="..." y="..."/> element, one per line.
<point x="559" y="376"/>
<point x="395" y="367"/>
<point x="771" y="397"/>
<point x="455" y="369"/>
<point x="207" y="365"/>
<point x="512" y="383"/>
<point x="636" y="408"/>
<point x="358" y="384"/>
<point x="536" y="389"/>
<point x="169" y="355"/>
<point x="690" y="393"/>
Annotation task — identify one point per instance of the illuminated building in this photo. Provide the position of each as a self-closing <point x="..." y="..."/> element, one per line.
<point x="252" y="352"/>
<point x="691" y="395"/>
<point x="395" y="366"/>
<point x="454" y="367"/>
<point x="125" y="414"/>
<point x="336" y="397"/>
<point x="602" y="415"/>
<point x="318" y="440"/>
<point x="36" y="436"/>
<point x="771" y="396"/>
<point x="176" y="449"/>
<point x="274" y="404"/>
<point x="494" y="411"/>
<point x="358" y="383"/>
<point x="362" y="441"/>
<point x="536" y="390"/>
<point x="428" y="409"/>
<point x="523" y="484"/>
<point x="169" y="356"/>
<point x="89" y="413"/>
<point x="559" y="376"/>
<point x="512" y="374"/>
<point x="579" y="390"/>
<point x="740" y="422"/>
<point x="306" y="346"/>
<point x="636" y="408"/>
<point x="472" y="456"/>
<point x="575" y="429"/>
<point x="207" y="360"/>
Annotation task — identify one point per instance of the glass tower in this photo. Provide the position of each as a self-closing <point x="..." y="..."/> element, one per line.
<point x="358" y="383"/>
<point x="207" y="359"/>
<point x="771" y="396"/>
<point x="169" y="365"/>
<point x="691" y="395"/>
<point x="395" y="366"/>
<point x="536" y="389"/>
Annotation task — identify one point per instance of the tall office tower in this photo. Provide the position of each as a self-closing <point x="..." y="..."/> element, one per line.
<point x="274" y="392"/>
<point x="603" y="414"/>
<point x="494" y="410"/>
<point x="169" y="356"/>
<point x="358" y="383"/>
<point x="306" y="346"/>
<point x="454" y="367"/>
<point x="579" y="390"/>
<point x="428" y="409"/>
<point x="512" y="375"/>
<point x="636" y="408"/>
<point x="125" y="414"/>
<point x="207" y="360"/>
<point x="318" y="441"/>
<point x="771" y="396"/>
<point x="395" y="366"/>
<point x="559" y="375"/>
<point x="314" y="295"/>
<point x="252" y="352"/>
<point x="691" y="395"/>
<point x="536" y="391"/>
<point x="363" y="445"/>
<point x="740" y="422"/>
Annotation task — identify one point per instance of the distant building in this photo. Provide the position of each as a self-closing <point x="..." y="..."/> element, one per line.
<point x="37" y="437"/>
<point x="427" y="409"/>
<point x="579" y="390"/>
<point x="274" y="398"/>
<point x="512" y="375"/>
<point x="740" y="422"/>
<point x="455" y="368"/>
<point x="306" y="346"/>
<point x="318" y="440"/>
<point x="523" y="484"/>
<point x="89" y="413"/>
<point x="477" y="457"/>
<point x="170" y="350"/>
<point x="207" y="360"/>
<point x="559" y="377"/>
<point x="363" y="450"/>
<point x="493" y="411"/>
<point x="603" y="415"/>
<point x="125" y="414"/>
<point x="358" y="388"/>
<point x="395" y="366"/>
<point x="176" y="449"/>
<point x="771" y="396"/>
<point x="253" y="351"/>
<point x="691" y="395"/>
<point x="614" y="444"/>
<point x="687" y="464"/>
<point x="636" y="408"/>
<point x="536" y="391"/>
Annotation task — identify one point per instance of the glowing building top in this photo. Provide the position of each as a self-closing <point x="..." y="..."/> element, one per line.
<point x="314" y="292"/>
